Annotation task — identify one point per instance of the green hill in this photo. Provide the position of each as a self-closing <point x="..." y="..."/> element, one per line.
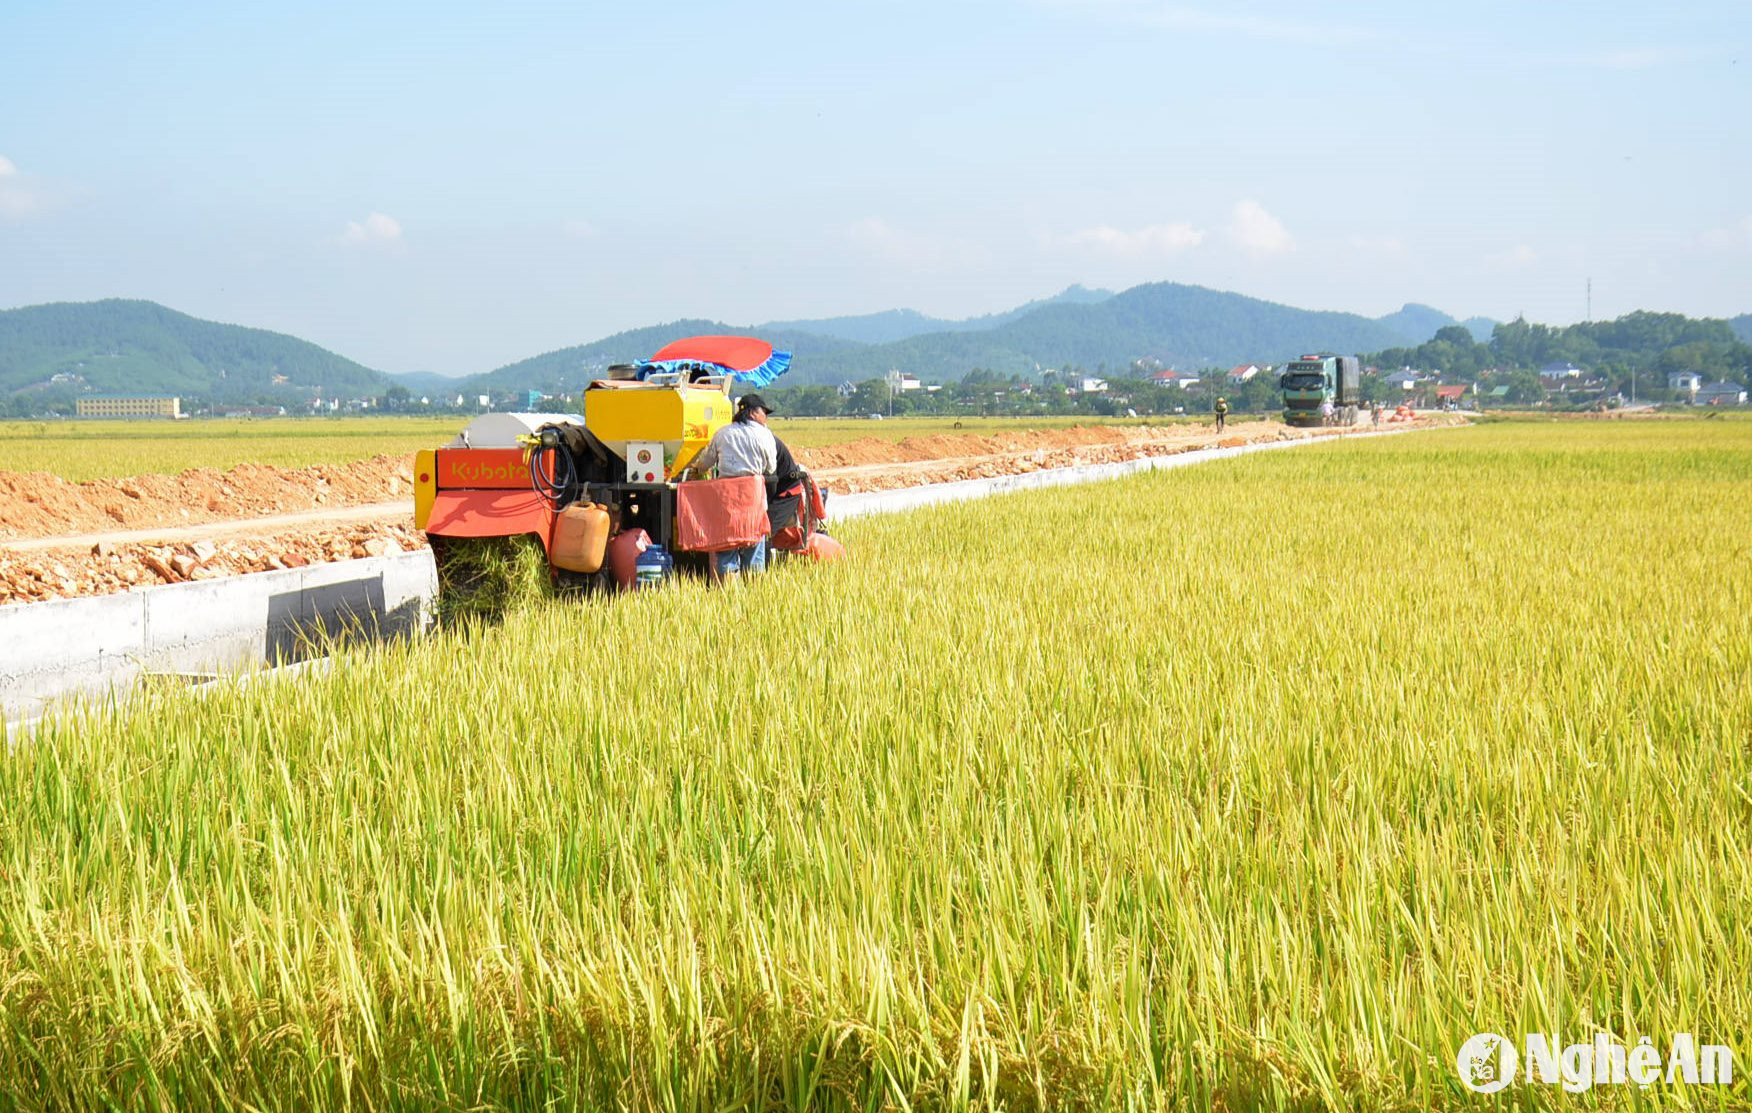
<point x="1742" y="326"/>
<point x="52" y="354"/>
<point x="1416" y="324"/>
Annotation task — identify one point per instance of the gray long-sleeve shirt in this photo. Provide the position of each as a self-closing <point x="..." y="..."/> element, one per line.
<point x="741" y="448"/>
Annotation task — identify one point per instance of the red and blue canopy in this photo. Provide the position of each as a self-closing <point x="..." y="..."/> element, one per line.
<point x="752" y="361"/>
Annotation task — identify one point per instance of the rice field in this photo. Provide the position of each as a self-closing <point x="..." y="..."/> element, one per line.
<point x="83" y="450"/>
<point x="1257" y="785"/>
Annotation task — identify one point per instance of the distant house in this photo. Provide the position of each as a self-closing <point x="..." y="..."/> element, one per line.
<point x="1404" y="380"/>
<point x="1565" y="375"/>
<point x="1243" y="373"/>
<point x="1721" y="394"/>
<point x="1092" y="386"/>
<point x="1166" y="378"/>
<point x="1448" y="397"/>
<point x="1684" y="382"/>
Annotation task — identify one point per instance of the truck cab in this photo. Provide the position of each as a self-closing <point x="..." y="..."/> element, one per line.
<point x="1311" y="382"/>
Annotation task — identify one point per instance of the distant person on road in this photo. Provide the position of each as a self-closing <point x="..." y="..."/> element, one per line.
<point x="1326" y="412"/>
<point x="1222" y="412"/>
<point x="1375" y="413"/>
<point x="744" y="447"/>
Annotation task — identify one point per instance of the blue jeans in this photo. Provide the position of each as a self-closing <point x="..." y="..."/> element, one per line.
<point x="733" y="561"/>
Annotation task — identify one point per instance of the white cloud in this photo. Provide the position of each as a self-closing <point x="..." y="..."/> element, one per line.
<point x="1152" y="239"/>
<point x="375" y="229"/>
<point x="1732" y="237"/>
<point x="1259" y="233"/>
<point x="1518" y="256"/>
<point x="19" y="198"/>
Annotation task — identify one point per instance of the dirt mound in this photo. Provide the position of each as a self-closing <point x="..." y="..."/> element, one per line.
<point x="105" y="568"/>
<point x="943" y="446"/>
<point x="37" y="504"/>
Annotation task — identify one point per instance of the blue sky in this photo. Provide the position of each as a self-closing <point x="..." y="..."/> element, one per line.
<point x="449" y="187"/>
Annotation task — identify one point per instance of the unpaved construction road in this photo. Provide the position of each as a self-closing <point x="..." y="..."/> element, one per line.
<point x="61" y="539"/>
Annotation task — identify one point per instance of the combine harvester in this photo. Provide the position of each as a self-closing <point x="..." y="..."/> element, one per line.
<point x="608" y="495"/>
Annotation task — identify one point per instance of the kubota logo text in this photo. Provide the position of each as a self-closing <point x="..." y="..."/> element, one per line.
<point x="1488" y="1062"/>
<point x="488" y="468"/>
<point x="483" y="473"/>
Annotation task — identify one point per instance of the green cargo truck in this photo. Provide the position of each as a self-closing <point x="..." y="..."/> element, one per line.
<point x="1312" y="383"/>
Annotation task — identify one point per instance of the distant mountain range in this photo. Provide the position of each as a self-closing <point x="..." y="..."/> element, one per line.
<point x="52" y="353"/>
<point x="1187" y="326"/>
<point x="1742" y="326"/>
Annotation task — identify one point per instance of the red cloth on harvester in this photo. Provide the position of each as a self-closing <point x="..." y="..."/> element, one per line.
<point x="824" y="548"/>
<point x="714" y="515"/>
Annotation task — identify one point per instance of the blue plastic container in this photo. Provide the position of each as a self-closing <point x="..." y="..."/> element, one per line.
<point x="653" y="568"/>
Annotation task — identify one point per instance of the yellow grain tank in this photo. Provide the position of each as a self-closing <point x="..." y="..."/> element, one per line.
<point x="682" y="418"/>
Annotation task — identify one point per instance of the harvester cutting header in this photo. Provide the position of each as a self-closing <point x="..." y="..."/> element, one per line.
<point x="611" y="495"/>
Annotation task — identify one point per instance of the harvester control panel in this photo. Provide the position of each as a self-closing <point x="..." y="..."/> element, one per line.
<point x="645" y="462"/>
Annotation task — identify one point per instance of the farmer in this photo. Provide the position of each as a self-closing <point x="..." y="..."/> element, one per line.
<point x="744" y="447"/>
<point x="784" y="489"/>
<point x="1222" y="411"/>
